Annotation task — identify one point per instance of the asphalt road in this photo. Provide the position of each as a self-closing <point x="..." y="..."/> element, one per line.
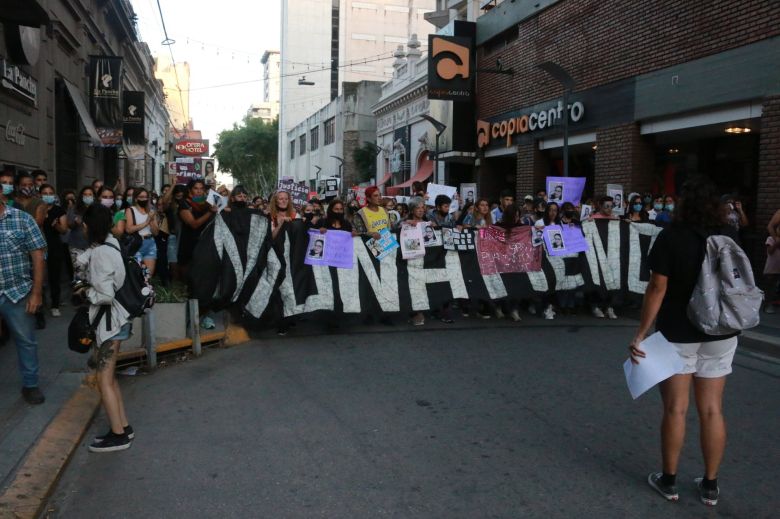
<point x="510" y="421"/>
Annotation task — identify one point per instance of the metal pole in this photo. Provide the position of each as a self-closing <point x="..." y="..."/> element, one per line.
<point x="437" y="175"/>
<point x="565" y="131"/>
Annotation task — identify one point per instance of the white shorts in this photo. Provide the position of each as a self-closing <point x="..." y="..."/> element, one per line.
<point x="707" y="359"/>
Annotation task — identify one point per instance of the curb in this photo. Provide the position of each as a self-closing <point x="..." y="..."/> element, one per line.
<point x="27" y="495"/>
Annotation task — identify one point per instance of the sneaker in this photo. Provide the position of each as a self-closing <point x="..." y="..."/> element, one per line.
<point x="484" y="316"/>
<point x="499" y="313"/>
<point x="611" y="313"/>
<point x="417" y="320"/>
<point x="769" y="309"/>
<point x="55" y="312"/>
<point x="112" y="442"/>
<point x="207" y="323"/>
<point x="668" y="491"/>
<point x="597" y="312"/>
<point x="515" y="316"/>
<point x="128" y="432"/>
<point x="33" y="395"/>
<point x="465" y="313"/>
<point x="707" y="496"/>
<point x="447" y="320"/>
<point x="549" y="313"/>
<point x="532" y="309"/>
<point x="281" y="331"/>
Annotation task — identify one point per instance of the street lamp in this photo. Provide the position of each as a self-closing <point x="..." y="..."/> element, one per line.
<point x="341" y="166"/>
<point x="564" y="78"/>
<point x="317" y="178"/>
<point x="440" y="127"/>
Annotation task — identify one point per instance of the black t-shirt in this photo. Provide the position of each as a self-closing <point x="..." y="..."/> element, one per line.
<point x="678" y="253"/>
<point x="51" y="234"/>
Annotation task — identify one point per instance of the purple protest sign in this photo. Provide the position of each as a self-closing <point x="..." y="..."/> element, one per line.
<point x="332" y="249"/>
<point x="561" y="240"/>
<point x="565" y="189"/>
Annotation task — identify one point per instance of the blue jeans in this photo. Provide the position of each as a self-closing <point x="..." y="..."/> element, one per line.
<point x="22" y="327"/>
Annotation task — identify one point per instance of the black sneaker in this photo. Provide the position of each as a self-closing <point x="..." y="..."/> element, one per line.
<point x="708" y="496"/>
<point x="668" y="491"/>
<point x="128" y="431"/>
<point x="112" y="442"/>
<point x="281" y="331"/>
<point x="33" y="395"/>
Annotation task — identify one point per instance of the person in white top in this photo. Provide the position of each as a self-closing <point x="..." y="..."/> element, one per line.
<point x="142" y="219"/>
<point x="105" y="271"/>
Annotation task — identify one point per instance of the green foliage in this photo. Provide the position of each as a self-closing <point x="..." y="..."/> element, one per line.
<point x="249" y="152"/>
<point x="175" y="293"/>
<point x="365" y="161"/>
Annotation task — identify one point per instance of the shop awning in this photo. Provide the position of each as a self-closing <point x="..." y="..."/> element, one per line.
<point x="81" y="108"/>
<point x="384" y="180"/>
<point x="23" y="12"/>
<point x="425" y="171"/>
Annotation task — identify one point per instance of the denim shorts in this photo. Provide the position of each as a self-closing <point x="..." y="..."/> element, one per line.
<point x="148" y="250"/>
<point x="124" y="332"/>
<point x="173" y="249"/>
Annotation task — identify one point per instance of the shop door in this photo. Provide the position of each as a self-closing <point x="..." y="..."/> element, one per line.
<point x="66" y="139"/>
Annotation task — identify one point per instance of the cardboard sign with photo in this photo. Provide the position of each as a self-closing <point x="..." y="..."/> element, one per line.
<point x="468" y="193"/>
<point x="435" y="190"/>
<point x="411" y="239"/>
<point x="585" y="212"/>
<point x="618" y="204"/>
<point x="431" y="238"/>
<point x="565" y="189"/>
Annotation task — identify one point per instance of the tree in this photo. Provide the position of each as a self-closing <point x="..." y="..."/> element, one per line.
<point x="365" y="161"/>
<point x="249" y="152"/>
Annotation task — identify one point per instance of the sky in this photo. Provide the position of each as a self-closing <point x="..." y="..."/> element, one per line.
<point x="223" y="41"/>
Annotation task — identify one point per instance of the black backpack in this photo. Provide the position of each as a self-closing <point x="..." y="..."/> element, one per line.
<point x="136" y="294"/>
<point x="81" y="331"/>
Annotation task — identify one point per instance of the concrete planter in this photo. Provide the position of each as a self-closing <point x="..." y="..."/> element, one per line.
<point x="170" y="324"/>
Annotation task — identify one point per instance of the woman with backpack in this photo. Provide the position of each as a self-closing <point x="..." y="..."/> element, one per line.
<point x="676" y="261"/>
<point x="105" y="269"/>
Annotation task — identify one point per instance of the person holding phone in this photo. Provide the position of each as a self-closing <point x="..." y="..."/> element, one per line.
<point x="142" y="219"/>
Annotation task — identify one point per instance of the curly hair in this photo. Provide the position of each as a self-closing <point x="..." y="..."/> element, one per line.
<point x="699" y="204"/>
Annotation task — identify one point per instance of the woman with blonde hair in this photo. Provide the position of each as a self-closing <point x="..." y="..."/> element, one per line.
<point x="281" y="211"/>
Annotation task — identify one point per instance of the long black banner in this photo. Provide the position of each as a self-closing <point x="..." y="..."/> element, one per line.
<point x="105" y="88"/>
<point x="237" y="264"/>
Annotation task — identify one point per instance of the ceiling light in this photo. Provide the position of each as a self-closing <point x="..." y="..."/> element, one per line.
<point x="672" y="151"/>
<point x="737" y="129"/>
<point x="595" y="147"/>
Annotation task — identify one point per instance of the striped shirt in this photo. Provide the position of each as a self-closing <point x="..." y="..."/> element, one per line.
<point x="19" y="236"/>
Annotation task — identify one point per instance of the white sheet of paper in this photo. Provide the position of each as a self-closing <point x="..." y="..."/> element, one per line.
<point x="661" y="362"/>
<point x="214" y="198"/>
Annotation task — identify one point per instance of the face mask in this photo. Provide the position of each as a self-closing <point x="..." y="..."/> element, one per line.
<point x="118" y="202"/>
<point x="27" y="191"/>
<point x="647" y="200"/>
<point x="107" y="202"/>
<point x="670" y="207"/>
<point x="568" y="214"/>
<point x="87" y="200"/>
<point x="658" y="207"/>
<point x="49" y="199"/>
<point x="142" y="203"/>
<point x="637" y="207"/>
<point x="239" y="205"/>
<point x="198" y="199"/>
<point x="129" y="200"/>
<point x="308" y="216"/>
<point x="8" y="189"/>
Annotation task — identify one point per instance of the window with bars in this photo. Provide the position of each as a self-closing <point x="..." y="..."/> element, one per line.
<point x="302" y="145"/>
<point x="314" y="138"/>
<point x="330" y="131"/>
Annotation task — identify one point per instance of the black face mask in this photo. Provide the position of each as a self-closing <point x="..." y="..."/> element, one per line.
<point x="568" y="214"/>
<point x="308" y="216"/>
<point x="239" y="205"/>
<point x="142" y="203"/>
<point x="539" y="214"/>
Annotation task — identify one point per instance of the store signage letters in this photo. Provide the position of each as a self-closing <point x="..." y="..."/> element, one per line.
<point x="15" y="133"/>
<point x="540" y="120"/>
<point x="16" y="80"/>
<point x="192" y="148"/>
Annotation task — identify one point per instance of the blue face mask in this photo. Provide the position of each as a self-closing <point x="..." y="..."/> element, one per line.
<point x="658" y="206"/>
<point x="637" y="207"/>
<point x="670" y="207"/>
<point x="87" y="200"/>
<point x="129" y="200"/>
<point x="8" y="189"/>
<point x="49" y="199"/>
<point x="118" y="203"/>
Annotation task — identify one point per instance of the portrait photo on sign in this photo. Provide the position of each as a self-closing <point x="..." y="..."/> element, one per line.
<point x="555" y="192"/>
<point x="317" y="248"/>
<point x="468" y="192"/>
<point x="447" y="238"/>
<point x="585" y="212"/>
<point x="556" y="239"/>
<point x="537" y="236"/>
<point x="616" y="192"/>
<point x="430" y="237"/>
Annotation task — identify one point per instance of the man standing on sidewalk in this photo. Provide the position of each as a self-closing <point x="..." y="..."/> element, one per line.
<point x="21" y="287"/>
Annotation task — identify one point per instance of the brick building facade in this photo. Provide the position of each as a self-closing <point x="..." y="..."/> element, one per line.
<point x="660" y="82"/>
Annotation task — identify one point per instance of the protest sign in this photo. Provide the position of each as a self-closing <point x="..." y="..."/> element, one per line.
<point x="331" y="249"/>
<point x="329" y="187"/>
<point x="454" y="239"/>
<point x="565" y="189"/>
<point x="564" y="239"/>
<point x="616" y="192"/>
<point x="383" y="246"/>
<point x="537" y="235"/>
<point x="187" y="169"/>
<point x="468" y="193"/>
<point x="661" y="361"/>
<point x="431" y="238"/>
<point x="359" y="194"/>
<point x="499" y="253"/>
<point x="214" y="198"/>
<point x="585" y="212"/>
<point x="411" y="239"/>
<point x="435" y="190"/>
<point x="298" y="192"/>
<point x="402" y="199"/>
